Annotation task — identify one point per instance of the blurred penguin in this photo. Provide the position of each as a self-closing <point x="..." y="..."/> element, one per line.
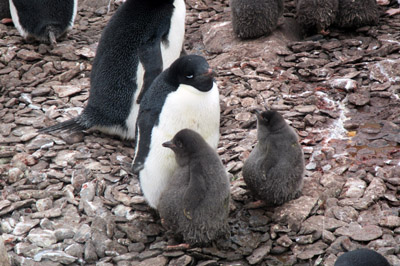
<point x="255" y="18"/>
<point x="361" y="257"/>
<point x="43" y="20"/>
<point x="315" y="16"/>
<point x="355" y="14"/>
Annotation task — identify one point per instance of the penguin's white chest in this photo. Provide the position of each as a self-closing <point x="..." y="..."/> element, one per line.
<point x="15" y="19"/>
<point x="172" y="49"/>
<point x="184" y="108"/>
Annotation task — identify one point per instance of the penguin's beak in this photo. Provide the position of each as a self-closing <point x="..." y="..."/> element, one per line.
<point x="258" y="113"/>
<point x="169" y="144"/>
<point x="210" y="72"/>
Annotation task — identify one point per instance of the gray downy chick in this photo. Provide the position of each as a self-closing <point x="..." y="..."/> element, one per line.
<point x="362" y="257"/>
<point x="315" y="16"/>
<point x="356" y="14"/>
<point x="255" y="18"/>
<point x="275" y="168"/>
<point x="195" y="203"/>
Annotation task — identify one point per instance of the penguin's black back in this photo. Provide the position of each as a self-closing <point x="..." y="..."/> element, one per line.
<point x="35" y="16"/>
<point x="361" y="257"/>
<point x="355" y="14"/>
<point x="113" y="78"/>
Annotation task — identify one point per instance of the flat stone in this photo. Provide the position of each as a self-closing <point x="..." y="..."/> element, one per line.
<point x="28" y="55"/>
<point x="259" y="254"/>
<point x="23" y="227"/>
<point x="319" y="223"/>
<point x="66" y="90"/>
<point x="390" y="221"/>
<point x="360" y="233"/>
<point x="375" y="190"/>
<point x="181" y="261"/>
<point x="42" y="238"/>
<point x="294" y="212"/>
<point x="56" y="256"/>
<point x="358" y="99"/>
<point x="309" y="251"/>
<point x="157" y="261"/>
<point x="354" y="188"/>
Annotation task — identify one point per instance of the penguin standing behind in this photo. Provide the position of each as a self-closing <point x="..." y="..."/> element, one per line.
<point x="362" y="257"/>
<point x="275" y="168"/>
<point x="255" y="18"/>
<point x="195" y="203"/>
<point x="183" y="96"/>
<point x="356" y="14"/>
<point x="43" y="20"/>
<point x="4" y="10"/>
<point x="140" y="40"/>
<point x="316" y="16"/>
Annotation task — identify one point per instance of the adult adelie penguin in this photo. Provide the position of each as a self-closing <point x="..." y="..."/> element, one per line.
<point x="195" y="203"/>
<point x="183" y="96"/>
<point x="355" y="14"/>
<point x="255" y="18"/>
<point x="362" y="257"/>
<point x="44" y="20"/>
<point x="141" y="39"/>
<point x="316" y="16"/>
<point x="275" y="168"/>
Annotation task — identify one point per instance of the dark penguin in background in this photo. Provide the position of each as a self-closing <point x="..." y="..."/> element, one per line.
<point x="275" y="168"/>
<point x="356" y="14"/>
<point x="43" y="20"/>
<point x="255" y="18"/>
<point x="183" y="96"/>
<point x="315" y="16"/>
<point x="195" y="203"/>
<point x="140" y="40"/>
<point x="4" y="10"/>
<point x="362" y="257"/>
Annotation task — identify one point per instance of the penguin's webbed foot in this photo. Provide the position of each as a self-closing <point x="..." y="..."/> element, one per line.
<point x="6" y="21"/>
<point x="178" y="247"/>
<point x="256" y="204"/>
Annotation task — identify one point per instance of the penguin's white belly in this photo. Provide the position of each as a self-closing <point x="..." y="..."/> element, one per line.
<point x="172" y="50"/>
<point x="185" y="108"/>
<point x="15" y="19"/>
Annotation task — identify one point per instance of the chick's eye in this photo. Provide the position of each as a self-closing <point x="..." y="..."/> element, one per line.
<point x="179" y="144"/>
<point x="189" y="76"/>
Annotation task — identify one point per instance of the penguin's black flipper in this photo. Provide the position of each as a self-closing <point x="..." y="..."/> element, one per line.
<point x="71" y="124"/>
<point x="147" y="119"/>
<point x="151" y="58"/>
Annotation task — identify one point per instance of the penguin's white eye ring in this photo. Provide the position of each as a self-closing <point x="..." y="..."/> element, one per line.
<point x="189" y="76"/>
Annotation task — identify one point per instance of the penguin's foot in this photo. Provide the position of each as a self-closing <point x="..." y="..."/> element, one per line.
<point x="255" y="205"/>
<point x="6" y="21"/>
<point x="393" y="11"/>
<point x="324" y="32"/>
<point x="178" y="247"/>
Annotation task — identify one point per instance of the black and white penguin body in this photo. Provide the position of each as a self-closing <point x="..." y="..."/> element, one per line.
<point x="362" y="257"/>
<point x="141" y="39"/>
<point x="355" y="14"/>
<point x="316" y="16"/>
<point x="195" y="203"/>
<point x="274" y="169"/>
<point x="43" y="20"/>
<point x="255" y="18"/>
<point x="183" y="96"/>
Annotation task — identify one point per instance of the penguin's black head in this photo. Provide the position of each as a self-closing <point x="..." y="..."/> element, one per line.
<point x="192" y="70"/>
<point x="184" y="144"/>
<point x="270" y="120"/>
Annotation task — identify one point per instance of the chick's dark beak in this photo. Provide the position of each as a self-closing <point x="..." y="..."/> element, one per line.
<point x="257" y="112"/>
<point x="169" y="144"/>
<point x="210" y="72"/>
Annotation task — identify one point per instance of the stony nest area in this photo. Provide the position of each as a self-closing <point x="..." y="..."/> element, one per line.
<point x="70" y="199"/>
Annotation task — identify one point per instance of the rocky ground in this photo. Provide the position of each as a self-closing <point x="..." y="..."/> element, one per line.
<point x="69" y="198"/>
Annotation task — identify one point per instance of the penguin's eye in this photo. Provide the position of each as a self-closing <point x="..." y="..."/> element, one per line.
<point x="189" y="76"/>
<point x="179" y="144"/>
